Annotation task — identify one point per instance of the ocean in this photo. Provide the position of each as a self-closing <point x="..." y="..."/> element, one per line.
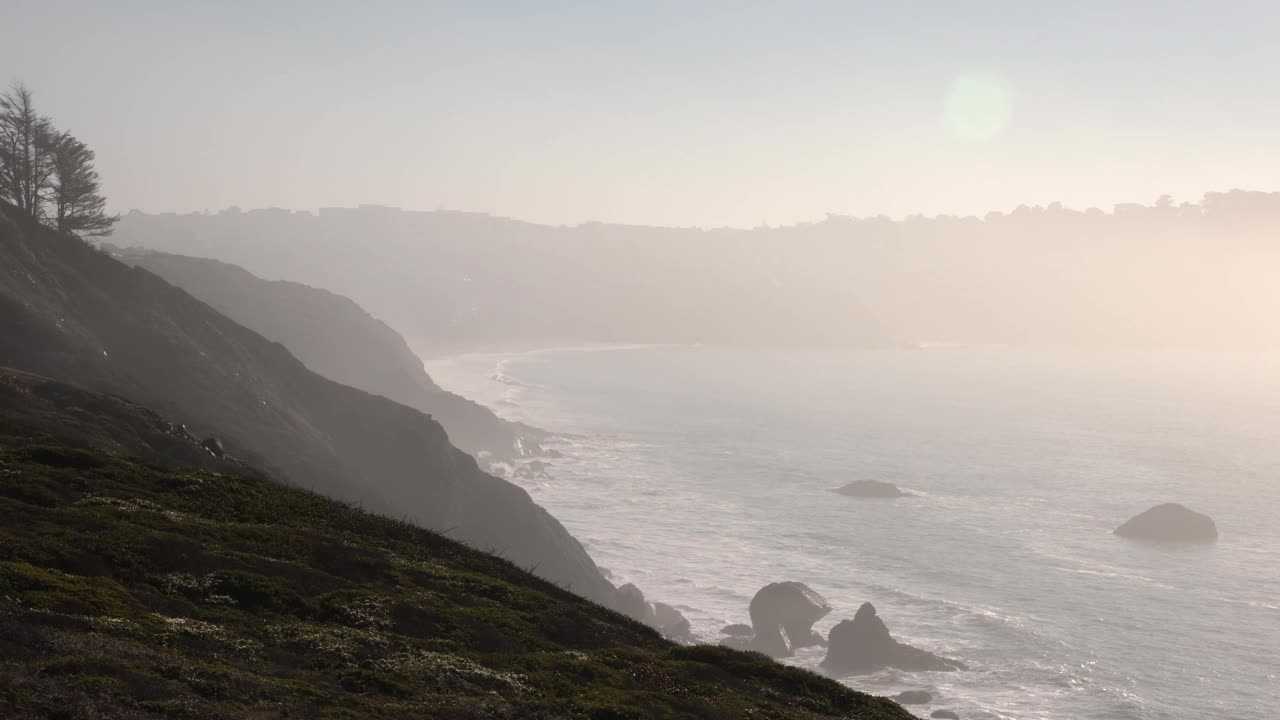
<point x="702" y="474"/>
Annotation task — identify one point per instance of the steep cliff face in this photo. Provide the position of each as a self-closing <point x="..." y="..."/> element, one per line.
<point x="338" y="339"/>
<point x="73" y="313"/>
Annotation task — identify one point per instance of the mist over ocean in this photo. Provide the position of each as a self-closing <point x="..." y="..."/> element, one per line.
<point x="702" y="474"/>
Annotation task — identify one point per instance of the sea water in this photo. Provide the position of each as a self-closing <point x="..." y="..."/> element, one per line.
<point x="702" y="474"/>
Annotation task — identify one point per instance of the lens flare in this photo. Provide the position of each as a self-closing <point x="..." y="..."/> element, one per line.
<point x="979" y="106"/>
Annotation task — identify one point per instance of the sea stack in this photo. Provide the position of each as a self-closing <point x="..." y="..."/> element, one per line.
<point x="863" y="645"/>
<point x="782" y="618"/>
<point x="1170" y="522"/>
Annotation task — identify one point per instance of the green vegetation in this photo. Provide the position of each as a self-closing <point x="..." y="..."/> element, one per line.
<point x="129" y="589"/>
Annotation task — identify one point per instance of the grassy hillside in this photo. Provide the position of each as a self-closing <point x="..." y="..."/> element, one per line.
<point x="134" y="588"/>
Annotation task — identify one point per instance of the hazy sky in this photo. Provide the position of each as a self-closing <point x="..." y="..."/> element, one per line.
<point x="686" y="113"/>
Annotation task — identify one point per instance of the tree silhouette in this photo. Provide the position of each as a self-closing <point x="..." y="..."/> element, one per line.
<point x="26" y="158"/>
<point x="77" y="205"/>
<point x="47" y="174"/>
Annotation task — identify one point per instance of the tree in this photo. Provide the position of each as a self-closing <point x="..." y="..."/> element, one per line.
<point x="77" y="204"/>
<point x="26" y="151"/>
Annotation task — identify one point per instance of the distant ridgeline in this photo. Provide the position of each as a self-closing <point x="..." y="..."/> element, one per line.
<point x="142" y="576"/>
<point x="1167" y="274"/>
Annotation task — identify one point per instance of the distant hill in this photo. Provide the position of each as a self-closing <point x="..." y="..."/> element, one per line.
<point x="1196" y="274"/>
<point x="75" y="314"/>
<point x="461" y="280"/>
<point x="340" y="340"/>
<point x="151" y="588"/>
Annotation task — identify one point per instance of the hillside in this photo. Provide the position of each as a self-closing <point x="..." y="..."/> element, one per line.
<point x="73" y="313"/>
<point x="131" y="589"/>
<point x="338" y="339"/>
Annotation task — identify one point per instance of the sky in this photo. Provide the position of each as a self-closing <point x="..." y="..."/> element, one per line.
<point x="658" y="113"/>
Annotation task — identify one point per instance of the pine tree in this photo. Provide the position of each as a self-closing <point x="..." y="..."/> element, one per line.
<point x="26" y="151"/>
<point x="75" y="197"/>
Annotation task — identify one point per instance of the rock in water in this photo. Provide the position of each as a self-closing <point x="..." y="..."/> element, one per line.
<point x="863" y="645"/>
<point x="1170" y="521"/>
<point x="672" y="624"/>
<point x="786" y="607"/>
<point x="630" y="601"/>
<point x="871" y="489"/>
<point x="944" y="715"/>
<point x="913" y="697"/>
<point x="737" y="630"/>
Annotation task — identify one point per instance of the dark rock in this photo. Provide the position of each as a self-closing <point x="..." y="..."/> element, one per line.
<point x="945" y="715"/>
<point x="913" y="697"/>
<point x="214" y="446"/>
<point x="1170" y="521"/>
<point x="863" y="645"/>
<point x="664" y="614"/>
<point x="679" y="632"/>
<point x="786" y="607"/>
<point x="631" y="602"/>
<point x="871" y="489"/>
<point x="532" y="470"/>
<point x="737" y="630"/>
<point x="672" y="623"/>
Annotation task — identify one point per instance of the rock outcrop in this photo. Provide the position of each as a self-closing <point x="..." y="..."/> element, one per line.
<point x="913" y="697"/>
<point x="871" y="489"/>
<point x="630" y="602"/>
<point x="863" y="645"/>
<point x="782" y="618"/>
<point x="672" y="623"/>
<point x="667" y="620"/>
<point x="1170" y="522"/>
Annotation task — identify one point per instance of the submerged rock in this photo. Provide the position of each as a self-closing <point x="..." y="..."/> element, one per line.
<point x="737" y="630"/>
<point x="871" y="489"/>
<point x="782" y="617"/>
<point x="1170" y="521"/>
<point x="944" y="715"/>
<point x="863" y="645"/>
<point x="913" y="697"/>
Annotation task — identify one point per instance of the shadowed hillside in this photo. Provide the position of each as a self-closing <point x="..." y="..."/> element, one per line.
<point x="336" y="338"/>
<point x="75" y="314"/>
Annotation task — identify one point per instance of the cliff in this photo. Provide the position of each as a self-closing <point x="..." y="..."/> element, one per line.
<point x="338" y="339"/>
<point x="75" y="314"/>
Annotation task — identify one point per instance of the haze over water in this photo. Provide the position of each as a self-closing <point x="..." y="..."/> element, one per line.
<point x="702" y="474"/>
